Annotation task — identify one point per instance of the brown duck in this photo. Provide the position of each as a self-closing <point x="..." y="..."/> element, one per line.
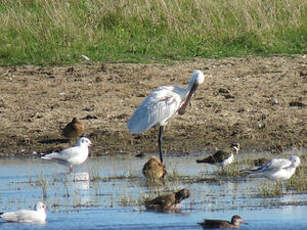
<point x="74" y="129"/>
<point x="221" y="157"/>
<point x="234" y="223"/>
<point x="154" y="169"/>
<point x="168" y="202"/>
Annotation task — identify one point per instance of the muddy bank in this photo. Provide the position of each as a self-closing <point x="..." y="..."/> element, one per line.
<point x="259" y="102"/>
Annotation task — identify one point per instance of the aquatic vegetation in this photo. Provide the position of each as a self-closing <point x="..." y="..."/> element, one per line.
<point x="127" y="199"/>
<point x="124" y="200"/>
<point x="230" y="171"/>
<point x="66" y="192"/>
<point x="198" y="179"/>
<point x="270" y="189"/>
<point x="173" y="175"/>
<point x="94" y="175"/>
<point x="55" y="178"/>
<point x="119" y="177"/>
<point x="77" y="202"/>
<point x="42" y="182"/>
<point x="298" y="182"/>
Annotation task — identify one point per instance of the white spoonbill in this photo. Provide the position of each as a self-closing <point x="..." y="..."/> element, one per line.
<point x="38" y="215"/>
<point x="162" y="104"/>
<point x="278" y="169"/>
<point x="75" y="155"/>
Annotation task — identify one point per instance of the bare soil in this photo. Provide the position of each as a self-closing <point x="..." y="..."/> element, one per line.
<point x="258" y="102"/>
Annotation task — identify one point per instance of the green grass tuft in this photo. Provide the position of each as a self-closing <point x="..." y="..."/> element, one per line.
<point x="59" y="32"/>
<point x="270" y="190"/>
<point x="230" y="171"/>
<point x="298" y="182"/>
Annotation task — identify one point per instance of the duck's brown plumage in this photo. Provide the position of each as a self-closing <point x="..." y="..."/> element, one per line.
<point x="234" y="223"/>
<point x="154" y="169"/>
<point x="74" y="129"/>
<point x="168" y="202"/>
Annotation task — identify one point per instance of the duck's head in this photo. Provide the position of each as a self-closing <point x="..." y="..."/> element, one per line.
<point x="182" y="194"/>
<point x="237" y="220"/>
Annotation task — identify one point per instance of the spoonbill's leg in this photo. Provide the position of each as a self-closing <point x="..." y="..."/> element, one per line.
<point x="160" y="143"/>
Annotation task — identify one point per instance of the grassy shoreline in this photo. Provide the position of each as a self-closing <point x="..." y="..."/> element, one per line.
<point x="59" y="32"/>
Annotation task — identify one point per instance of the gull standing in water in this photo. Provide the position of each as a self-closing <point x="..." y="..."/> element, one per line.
<point x="38" y="215"/>
<point x="75" y="155"/>
<point x="277" y="169"/>
<point x="162" y="104"/>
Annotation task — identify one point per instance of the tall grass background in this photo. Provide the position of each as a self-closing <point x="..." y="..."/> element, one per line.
<point x="59" y="31"/>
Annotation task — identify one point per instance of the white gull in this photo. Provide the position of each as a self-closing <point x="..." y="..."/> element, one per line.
<point x="75" y="155"/>
<point x="38" y="215"/>
<point x="277" y="169"/>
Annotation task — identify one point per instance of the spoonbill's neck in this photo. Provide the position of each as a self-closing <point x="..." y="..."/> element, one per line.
<point x="189" y="87"/>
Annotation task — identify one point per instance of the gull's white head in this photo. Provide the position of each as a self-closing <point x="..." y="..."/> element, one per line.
<point x="84" y="141"/>
<point x="295" y="160"/>
<point x="197" y="77"/>
<point x="40" y="206"/>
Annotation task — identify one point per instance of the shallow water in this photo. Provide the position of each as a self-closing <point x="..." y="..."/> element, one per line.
<point x="112" y="198"/>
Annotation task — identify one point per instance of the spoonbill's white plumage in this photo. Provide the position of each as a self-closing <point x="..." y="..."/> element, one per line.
<point x="75" y="155"/>
<point x="162" y="104"/>
<point x="38" y="215"/>
<point x="278" y="169"/>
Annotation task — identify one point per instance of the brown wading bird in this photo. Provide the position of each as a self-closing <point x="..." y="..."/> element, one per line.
<point x="73" y="129"/>
<point x="154" y="169"/>
<point x="221" y="157"/>
<point x="234" y="223"/>
<point x="169" y="202"/>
